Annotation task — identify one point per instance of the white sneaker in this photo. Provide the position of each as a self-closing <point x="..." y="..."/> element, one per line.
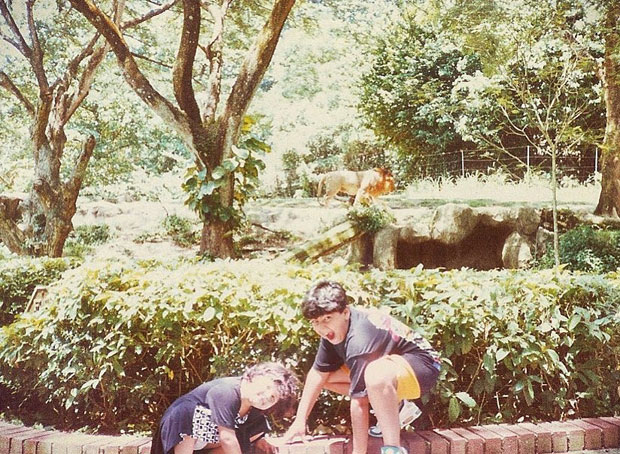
<point x="408" y="413"/>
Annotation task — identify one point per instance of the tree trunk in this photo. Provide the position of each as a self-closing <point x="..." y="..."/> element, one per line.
<point x="12" y="237"/>
<point x="52" y="203"/>
<point x="609" y="200"/>
<point x="216" y="239"/>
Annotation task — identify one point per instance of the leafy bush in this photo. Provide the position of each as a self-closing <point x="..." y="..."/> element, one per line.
<point x="370" y="218"/>
<point x="91" y="234"/>
<point x="586" y="249"/>
<point x="83" y="237"/>
<point x="118" y="341"/>
<point x="182" y="230"/>
<point x="20" y="276"/>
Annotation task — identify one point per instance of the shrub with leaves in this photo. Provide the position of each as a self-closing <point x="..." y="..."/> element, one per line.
<point x="587" y="249"/>
<point x="117" y="342"/>
<point x="370" y="218"/>
<point x="182" y="230"/>
<point x="20" y="276"/>
<point x="83" y="237"/>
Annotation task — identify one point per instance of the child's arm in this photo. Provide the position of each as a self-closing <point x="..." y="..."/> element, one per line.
<point x="228" y="441"/>
<point x="313" y="386"/>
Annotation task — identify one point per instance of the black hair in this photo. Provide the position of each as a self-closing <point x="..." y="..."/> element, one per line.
<point x="323" y="298"/>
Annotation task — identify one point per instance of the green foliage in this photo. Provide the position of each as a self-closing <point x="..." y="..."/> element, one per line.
<point x="82" y="239"/>
<point x="325" y="152"/>
<point x="370" y="218"/>
<point x="363" y="154"/>
<point x="244" y="165"/>
<point x="517" y="344"/>
<point x="117" y="342"/>
<point x="91" y="234"/>
<point x="182" y="230"/>
<point x="292" y="182"/>
<point x="406" y="96"/>
<point x="586" y="249"/>
<point x="20" y="276"/>
<point x="539" y="63"/>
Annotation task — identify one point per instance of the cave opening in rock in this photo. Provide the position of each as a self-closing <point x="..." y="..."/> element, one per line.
<point x="480" y="250"/>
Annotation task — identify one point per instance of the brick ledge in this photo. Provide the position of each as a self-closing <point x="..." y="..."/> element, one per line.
<point x="524" y="438"/>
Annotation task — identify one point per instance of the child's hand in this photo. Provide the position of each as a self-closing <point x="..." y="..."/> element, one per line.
<point x="297" y="429"/>
<point x="264" y="445"/>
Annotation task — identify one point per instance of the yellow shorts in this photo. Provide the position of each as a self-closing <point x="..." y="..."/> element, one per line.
<point x="407" y="386"/>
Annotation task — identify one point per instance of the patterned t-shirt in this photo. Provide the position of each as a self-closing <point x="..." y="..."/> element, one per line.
<point x="372" y="334"/>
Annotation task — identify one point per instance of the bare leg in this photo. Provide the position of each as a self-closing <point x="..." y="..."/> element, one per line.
<point x="186" y="446"/>
<point x="217" y="450"/>
<point x="381" y="384"/>
<point x="338" y="382"/>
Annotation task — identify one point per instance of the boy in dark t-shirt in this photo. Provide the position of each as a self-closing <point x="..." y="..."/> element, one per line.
<point x="369" y="355"/>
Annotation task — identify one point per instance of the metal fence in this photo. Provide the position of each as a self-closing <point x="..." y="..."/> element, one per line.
<point x="518" y="162"/>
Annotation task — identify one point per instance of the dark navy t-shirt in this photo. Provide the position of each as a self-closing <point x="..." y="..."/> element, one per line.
<point x="223" y="397"/>
<point x="372" y="334"/>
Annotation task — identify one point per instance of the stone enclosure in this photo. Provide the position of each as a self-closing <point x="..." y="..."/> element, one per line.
<point x="449" y="236"/>
<point x="457" y="235"/>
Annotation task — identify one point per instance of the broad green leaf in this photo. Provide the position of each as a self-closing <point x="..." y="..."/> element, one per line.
<point x="454" y="409"/>
<point x="545" y="327"/>
<point x="208" y="314"/>
<point x="466" y="399"/>
<point x="574" y="321"/>
<point x="241" y="152"/>
<point x="207" y="189"/>
<point x="500" y="354"/>
<point x="218" y="172"/>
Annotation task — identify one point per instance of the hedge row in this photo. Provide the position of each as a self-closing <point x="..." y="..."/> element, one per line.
<point x="116" y="342"/>
<point x="20" y="276"/>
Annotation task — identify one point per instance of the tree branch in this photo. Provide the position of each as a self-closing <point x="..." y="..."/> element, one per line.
<point x="93" y="63"/>
<point x="9" y="40"/>
<point x="152" y="13"/>
<point x="10" y="233"/>
<point x="20" y="43"/>
<point x="47" y="195"/>
<point x="36" y="60"/>
<point x="134" y="77"/>
<point x="86" y="81"/>
<point x="255" y="64"/>
<point x="150" y="60"/>
<point x="213" y="52"/>
<point x="79" y="171"/>
<point x="8" y="84"/>
<point x="74" y="64"/>
<point x="184" y="63"/>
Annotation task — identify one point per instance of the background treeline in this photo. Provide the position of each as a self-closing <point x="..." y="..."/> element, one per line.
<point x="115" y="343"/>
<point x="407" y="85"/>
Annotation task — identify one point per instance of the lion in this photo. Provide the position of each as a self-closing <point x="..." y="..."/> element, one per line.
<point x="365" y="185"/>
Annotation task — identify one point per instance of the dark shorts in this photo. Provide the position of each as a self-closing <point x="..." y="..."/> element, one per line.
<point x="426" y="370"/>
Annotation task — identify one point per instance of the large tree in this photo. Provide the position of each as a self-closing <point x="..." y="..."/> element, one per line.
<point x="609" y="200"/>
<point x="406" y="96"/>
<point x="61" y="62"/>
<point x="210" y="129"/>
<point x="592" y="29"/>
